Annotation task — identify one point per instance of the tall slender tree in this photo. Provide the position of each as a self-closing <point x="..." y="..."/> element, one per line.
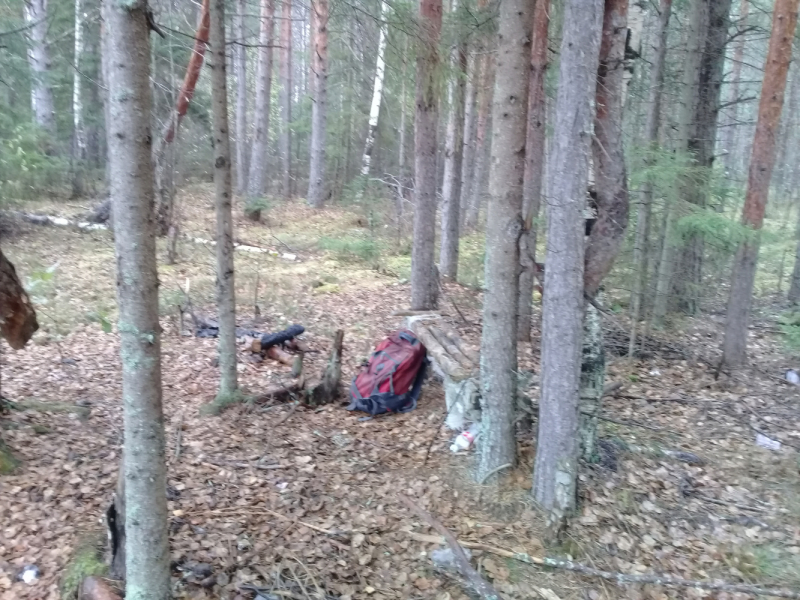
<point x="78" y="131"/>
<point x="534" y="166"/>
<point x="240" y="64"/>
<point x="285" y="98"/>
<point x="131" y="178"/>
<point x="762" y="161"/>
<point x="453" y="159"/>
<point x="377" y="94"/>
<point x="482" y="143"/>
<point x="42" y="103"/>
<point x="470" y="129"/>
<point x="424" y="280"/>
<point x="555" y="471"/>
<point x="226" y="290"/>
<point x="257" y="180"/>
<point x="733" y="97"/>
<point x="319" y="111"/>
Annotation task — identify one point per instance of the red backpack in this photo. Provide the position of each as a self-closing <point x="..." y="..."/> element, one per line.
<point x="392" y="379"/>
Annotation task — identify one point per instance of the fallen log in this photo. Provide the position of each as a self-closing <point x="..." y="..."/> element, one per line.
<point x="451" y="367"/>
<point x="17" y="316"/>
<point x="452" y="348"/>
<point x="279" y="354"/>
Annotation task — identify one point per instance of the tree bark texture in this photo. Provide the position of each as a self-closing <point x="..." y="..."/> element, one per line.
<point x="736" y="76"/>
<point x="17" y="316"/>
<point x="424" y="277"/>
<point x="555" y="471"/>
<point x="240" y="62"/>
<point x="762" y="161"/>
<point x="319" y="111"/>
<point x="470" y="127"/>
<point x="127" y="59"/>
<point x="226" y="290"/>
<point x="482" y="149"/>
<point x="503" y="229"/>
<point x="794" y="286"/>
<point x="377" y="95"/>
<point x="257" y="179"/>
<point x="453" y="160"/>
<point x="593" y="376"/>
<point x="535" y="139"/>
<point x="78" y="131"/>
<point x="44" y="112"/>
<point x="651" y="139"/>
<point x="285" y="98"/>
<point x="611" y="181"/>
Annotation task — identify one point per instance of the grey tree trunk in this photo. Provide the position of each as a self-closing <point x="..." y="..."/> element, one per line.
<point x="317" y="189"/>
<point x="696" y="24"/>
<point x="257" y="180"/>
<point x="44" y="111"/>
<point x="240" y="61"/>
<point x="536" y="137"/>
<point x="78" y="131"/>
<point x="794" y="287"/>
<point x="556" y="468"/>
<point x="285" y="98"/>
<point x="736" y="75"/>
<point x="503" y="228"/>
<point x="453" y="160"/>
<point x="651" y="139"/>
<point x="470" y="126"/>
<point x="131" y="178"/>
<point x="424" y="277"/>
<point x="482" y="142"/>
<point x="226" y="290"/>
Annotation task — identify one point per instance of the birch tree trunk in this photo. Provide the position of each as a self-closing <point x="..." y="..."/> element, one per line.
<point x="651" y="139"/>
<point x="256" y="184"/>
<point x="226" y="290"/>
<point x="127" y="66"/>
<point x="240" y="61"/>
<point x="424" y="280"/>
<point x="78" y="132"/>
<point x="535" y="137"/>
<point x="503" y="228"/>
<point x="377" y="95"/>
<point x="319" y="111"/>
<point x="285" y="98"/>
<point x="453" y="160"/>
<point x="556" y="468"/>
<point x="762" y="161"/>
<point x="736" y="76"/>
<point x="44" y="112"/>
<point x="696" y="24"/>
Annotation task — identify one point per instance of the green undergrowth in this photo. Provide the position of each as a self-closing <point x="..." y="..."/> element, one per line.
<point x="86" y="561"/>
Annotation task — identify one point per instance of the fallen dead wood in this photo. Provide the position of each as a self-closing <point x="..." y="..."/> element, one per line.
<point x="618" y="578"/>
<point x="481" y="587"/>
<point x="241" y="465"/>
<point x="439" y="353"/>
<point x="279" y="354"/>
<point x="17" y="316"/>
<point x="95" y="588"/>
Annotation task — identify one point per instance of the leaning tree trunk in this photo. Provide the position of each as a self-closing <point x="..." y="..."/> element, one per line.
<point x="240" y="62"/>
<point x="78" y="131"/>
<point x="129" y="150"/>
<point x="226" y="291"/>
<point x="256" y="184"/>
<point x="762" y="161"/>
<point x="453" y="158"/>
<point x="611" y="187"/>
<point x="285" y="98"/>
<point x="534" y="167"/>
<point x="556" y="468"/>
<point x="377" y="95"/>
<point x="424" y="280"/>
<point x="651" y="139"/>
<point x="319" y="110"/>
<point x="503" y="229"/>
<point x="44" y="111"/>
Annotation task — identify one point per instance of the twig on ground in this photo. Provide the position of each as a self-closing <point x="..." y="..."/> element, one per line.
<point x="634" y="424"/>
<point x="460" y="314"/>
<point x="243" y="465"/>
<point x="726" y="503"/>
<point x="178" y="434"/>
<point x="481" y="587"/>
<point x="282" y="243"/>
<point x="247" y="510"/>
<point x="493" y="471"/>
<point x="287" y="415"/>
<point x="618" y="578"/>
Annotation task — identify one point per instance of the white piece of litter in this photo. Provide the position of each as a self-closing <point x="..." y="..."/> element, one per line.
<point x="765" y="442"/>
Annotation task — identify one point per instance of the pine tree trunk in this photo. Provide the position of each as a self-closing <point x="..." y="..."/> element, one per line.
<point x="129" y="151"/>
<point x="285" y="98"/>
<point x="503" y="229"/>
<point x="226" y="290"/>
<point x="736" y="76"/>
<point x="689" y="94"/>
<point x="453" y="160"/>
<point x="556" y="468"/>
<point x="257" y="180"/>
<point x="651" y="133"/>
<point x="78" y="132"/>
<point x="482" y="143"/>
<point x="762" y="161"/>
<point x="377" y="95"/>
<point x="319" y="111"/>
<point x="240" y="60"/>
<point x="424" y="280"/>
<point x="39" y="60"/>
<point x="470" y="127"/>
<point x="534" y="166"/>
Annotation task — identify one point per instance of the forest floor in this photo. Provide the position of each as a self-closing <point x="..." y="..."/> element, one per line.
<point x="325" y="519"/>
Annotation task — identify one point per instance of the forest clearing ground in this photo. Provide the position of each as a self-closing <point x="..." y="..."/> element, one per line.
<point x="737" y="517"/>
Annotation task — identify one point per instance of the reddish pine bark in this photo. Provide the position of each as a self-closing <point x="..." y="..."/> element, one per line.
<point x="762" y="161"/>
